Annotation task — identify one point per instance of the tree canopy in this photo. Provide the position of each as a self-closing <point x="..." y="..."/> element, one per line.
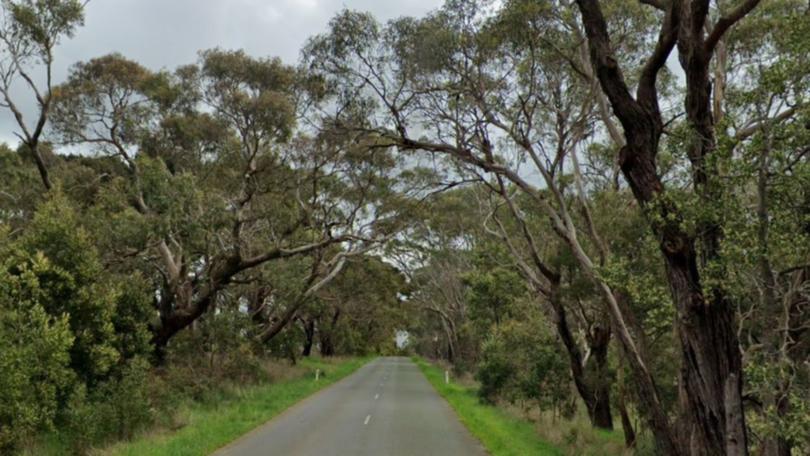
<point x="596" y="207"/>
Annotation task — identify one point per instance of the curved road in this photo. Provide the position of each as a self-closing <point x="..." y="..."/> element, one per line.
<point x="385" y="408"/>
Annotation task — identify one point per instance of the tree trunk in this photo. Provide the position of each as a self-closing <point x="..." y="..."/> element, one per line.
<point x="596" y="398"/>
<point x="327" y="347"/>
<point x="627" y="424"/>
<point x="309" y="334"/>
<point x="42" y="168"/>
<point x="601" y="416"/>
<point x="711" y="374"/>
<point x="327" y="335"/>
<point x="448" y="333"/>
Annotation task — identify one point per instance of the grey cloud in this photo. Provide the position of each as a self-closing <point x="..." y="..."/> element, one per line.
<point x="167" y="33"/>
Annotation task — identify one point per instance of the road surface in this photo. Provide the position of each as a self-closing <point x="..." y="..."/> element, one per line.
<point x="386" y="408"/>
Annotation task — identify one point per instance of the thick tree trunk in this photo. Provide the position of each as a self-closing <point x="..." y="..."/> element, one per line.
<point x="627" y="424"/>
<point x="711" y="374"/>
<point x="327" y="335"/>
<point x="600" y="409"/>
<point x="595" y="397"/>
<point x="327" y="347"/>
<point x="309" y="336"/>
<point x="174" y="320"/>
<point x="180" y="304"/>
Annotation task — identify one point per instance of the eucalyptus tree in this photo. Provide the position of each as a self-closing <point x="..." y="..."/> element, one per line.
<point x="763" y="133"/>
<point x="498" y="86"/>
<point x="712" y="373"/>
<point x="490" y="95"/>
<point x="30" y="31"/>
<point x="218" y="178"/>
<point x="360" y="311"/>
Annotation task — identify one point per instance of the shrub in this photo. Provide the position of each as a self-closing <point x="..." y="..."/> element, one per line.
<point x="520" y="361"/>
<point x="495" y="370"/>
<point x="34" y="354"/>
<point x="74" y="285"/>
<point x="115" y="409"/>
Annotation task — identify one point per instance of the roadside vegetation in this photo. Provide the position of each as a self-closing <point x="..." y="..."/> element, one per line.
<point x="214" y="423"/>
<point x="193" y="410"/>
<point x="597" y="210"/>
<point x="500" y="433"/>
<point x="505" y="429"/>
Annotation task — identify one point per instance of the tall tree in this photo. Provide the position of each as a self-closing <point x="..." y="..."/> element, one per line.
<point x="30" y="30"/>
<point x="232" y="195"/>
<point x="712" y="372"/>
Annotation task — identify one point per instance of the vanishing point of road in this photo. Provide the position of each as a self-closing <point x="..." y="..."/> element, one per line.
<point x="386" y="408"/>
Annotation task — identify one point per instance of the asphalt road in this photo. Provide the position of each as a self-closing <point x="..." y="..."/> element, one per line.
<point x="386" y="408"/>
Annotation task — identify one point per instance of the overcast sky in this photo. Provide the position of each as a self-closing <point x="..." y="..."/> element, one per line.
<point x="167" y="33"/>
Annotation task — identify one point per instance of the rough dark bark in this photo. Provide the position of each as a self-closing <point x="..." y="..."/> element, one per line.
<point x="594" y="391"/>
<point x="627" y="424"/>
<point x="598" y="341"/>
<point x="326" y="335"/>
<point x="42" y="168"/>
<point x="711" y="376"/>
<point x="309" y="336"/>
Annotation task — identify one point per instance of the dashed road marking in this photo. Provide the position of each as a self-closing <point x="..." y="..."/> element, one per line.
<point x="376" y="396"/>
<point x="368" y="417"/>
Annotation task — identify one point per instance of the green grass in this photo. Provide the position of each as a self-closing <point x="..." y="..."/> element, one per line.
<point x="501" y="433"/>
<point x="211" y="426"/>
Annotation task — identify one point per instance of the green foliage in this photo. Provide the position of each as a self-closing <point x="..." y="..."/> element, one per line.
<point x="75" y="286"/>
<point x="74" y="333"/>
<point x="114" y="410"/>
<point x="785" y="413"/>
<point x="201" y="169"/>
<point x="213" y="424"/>
<point x="34" y="351"/>
<point x="367" y="294"/>
<point x="499" y="432"/>
<point x="520" y="361"/>
<point x="494" y="287"/>
<point x="40" y="23"/>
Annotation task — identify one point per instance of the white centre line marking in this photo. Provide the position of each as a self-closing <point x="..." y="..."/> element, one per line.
<point x="376" y="396"/>
<point x="368" y="417"/>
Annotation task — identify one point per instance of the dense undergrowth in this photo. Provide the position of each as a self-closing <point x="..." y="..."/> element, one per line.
<point x="508" y="430"/>
<point x="192" y="410"/>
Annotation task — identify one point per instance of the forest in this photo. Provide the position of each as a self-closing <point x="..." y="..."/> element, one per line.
<point x="595" y="209"/>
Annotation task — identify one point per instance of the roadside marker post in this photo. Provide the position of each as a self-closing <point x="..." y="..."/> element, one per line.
<point x="446" y="377"/>
<point x="317" y="374"/>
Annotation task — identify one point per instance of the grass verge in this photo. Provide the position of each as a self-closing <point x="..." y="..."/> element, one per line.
<point x="212" y="425"/>
<point x="501" y="433"/>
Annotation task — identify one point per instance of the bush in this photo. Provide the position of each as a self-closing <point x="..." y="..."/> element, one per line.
<point x="520" y="361"/>
<point x="74" y="285"/>
<point x="34" y="354"/>
<point x="496" y="371"/>
<point x="116" y="409"/>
